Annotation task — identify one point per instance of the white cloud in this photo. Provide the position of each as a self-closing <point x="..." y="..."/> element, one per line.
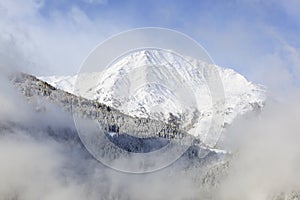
<point x="80" y="18"/>
<point x="267" y="153"/>
<point x="21" y="176"/>
<point x="17" y="9"/>
<point x="45" y="169"/>
<point x="56" y="44"/>
<point x="96" y="1"/>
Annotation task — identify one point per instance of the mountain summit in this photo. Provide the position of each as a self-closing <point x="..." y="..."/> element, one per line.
<point x="160" y="84"/>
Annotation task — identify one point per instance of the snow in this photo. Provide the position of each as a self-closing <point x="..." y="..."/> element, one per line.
<point x="112" y="134"/>
<point x="153" y="83"/>
<point x="65" y="83"/>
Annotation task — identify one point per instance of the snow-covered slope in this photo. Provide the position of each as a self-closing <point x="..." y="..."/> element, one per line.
<point x="154" y="83"/>
<point x="65" y="83"/>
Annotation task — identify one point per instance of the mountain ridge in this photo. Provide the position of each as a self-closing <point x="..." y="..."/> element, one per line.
<point x="153" y="83"/>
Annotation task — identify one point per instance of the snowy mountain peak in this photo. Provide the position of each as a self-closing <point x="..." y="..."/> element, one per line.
<point x="154" y="83"/>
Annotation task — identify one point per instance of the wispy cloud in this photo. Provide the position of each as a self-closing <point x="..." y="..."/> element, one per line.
<point x="96" y="1"/>
<point x="54" y="44"/>
<point x="266" y="151"/>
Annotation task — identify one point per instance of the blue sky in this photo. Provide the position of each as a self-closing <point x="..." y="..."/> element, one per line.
<point x="253" y="37"/>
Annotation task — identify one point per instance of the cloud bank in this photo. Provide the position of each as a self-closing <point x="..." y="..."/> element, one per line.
<point x="35" y="165"/>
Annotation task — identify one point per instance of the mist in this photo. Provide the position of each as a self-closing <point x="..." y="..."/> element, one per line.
<point x="266" y="153"/>
<point x="42" y="157"/>
<point x="41" y="154"/>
